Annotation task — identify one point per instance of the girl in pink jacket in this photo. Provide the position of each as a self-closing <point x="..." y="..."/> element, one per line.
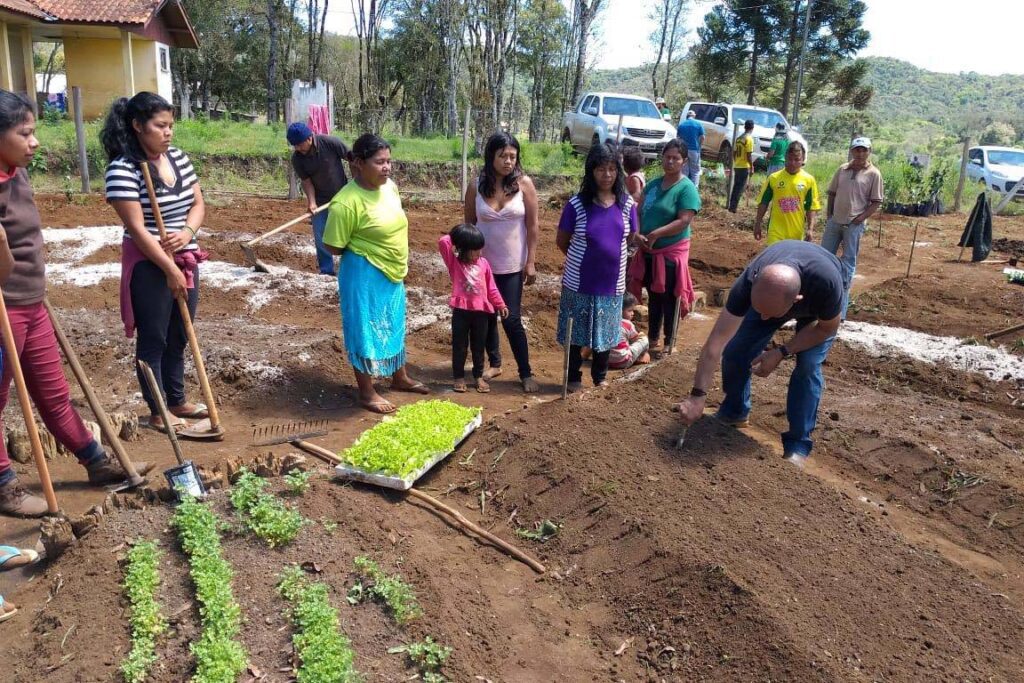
<point x="474" y="301"/>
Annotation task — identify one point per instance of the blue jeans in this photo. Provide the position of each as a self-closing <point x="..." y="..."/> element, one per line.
<point x="324" y="258"/>
<point x="806" y="384"/>
<point x="693" y="166"/>
<point x="849" y="236"/>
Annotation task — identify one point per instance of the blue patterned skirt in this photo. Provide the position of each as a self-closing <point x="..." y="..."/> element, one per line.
<point x="372" y="316"/>
<point x="595" y="319"/>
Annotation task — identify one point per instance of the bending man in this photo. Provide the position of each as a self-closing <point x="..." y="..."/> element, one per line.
<point x="788" y="280"/>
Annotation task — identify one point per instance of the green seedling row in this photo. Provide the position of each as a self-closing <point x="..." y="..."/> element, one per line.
<point x="146" y="622"/>
<point x="325" y="653"/>
<point x="263" y="513"/>
<point x="395" y="593"/>
<point x="220" y="658"/>
<point x="403" y="444"/>
<point x="427" y="656"/>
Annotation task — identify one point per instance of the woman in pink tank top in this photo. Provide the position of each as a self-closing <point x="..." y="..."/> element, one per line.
<point x="503" y="206"/>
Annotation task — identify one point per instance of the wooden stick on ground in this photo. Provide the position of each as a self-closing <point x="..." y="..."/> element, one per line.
<point x="11" y="357"/>
<point x="515" y="552"/>
<point x="912" y="244"/>
<point x="186" y="317"/>
<point x="565" y="359"/>
<point x="465" y="523"/>
<point x="1005" y="330"/>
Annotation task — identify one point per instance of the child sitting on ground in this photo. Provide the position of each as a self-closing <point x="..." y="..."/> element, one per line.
<point x="475" y="299"/>
<point x="632" y="347"/>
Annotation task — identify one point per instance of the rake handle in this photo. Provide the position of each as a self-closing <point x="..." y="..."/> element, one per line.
<point x="186" y="317"/>
<point x="11" y="351"/>
<point x="90" y="395"/>
<point x="165" y="415"/>
<point x="284" y="226"/>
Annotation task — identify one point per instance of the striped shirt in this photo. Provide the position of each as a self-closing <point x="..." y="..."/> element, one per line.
<point x="124" y="182"/>
<point x="596" y="261"/>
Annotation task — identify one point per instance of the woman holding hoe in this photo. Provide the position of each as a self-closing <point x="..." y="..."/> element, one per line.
<point x="155" y="272"/>
<point x="367" y="226"/>
<point x="23" y="277"/>
<point x="663" y="263"/>
<point x="503" y="206"/>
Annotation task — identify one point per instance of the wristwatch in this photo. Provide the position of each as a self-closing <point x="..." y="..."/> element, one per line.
<point x="784" y="351"/>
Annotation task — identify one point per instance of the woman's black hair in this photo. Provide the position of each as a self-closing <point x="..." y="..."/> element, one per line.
<point x="632" y="158"/>
<point x="677" y="144"/>
<point x="488" y="177"/>
<point x="628" y="301"/>
<point x="466" y="237"/>
<point x="795" y="144"/>
<point x="599" y="155"/>
<point x="118" y="137"/>
<point x="366" y="146"/>
<point x="14" y="110"/>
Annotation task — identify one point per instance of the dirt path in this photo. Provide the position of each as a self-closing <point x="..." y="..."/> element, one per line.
<point x="897" y="554"/>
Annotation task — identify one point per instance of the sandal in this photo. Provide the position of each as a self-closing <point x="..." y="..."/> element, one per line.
<point x="12" y="558"/>
<point x="482" y="387"/>
<point x="7" y="609"/>
<point x="381" y="407"/>
<point x="492" y="372"/>
<point x="162" y="428"/>
<point x="459" y="386"/>
<point x="199" y="411"/>
<point x="414" y="388"/>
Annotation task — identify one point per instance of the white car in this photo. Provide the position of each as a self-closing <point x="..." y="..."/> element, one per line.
<point x="720" y="121"/>
<point x="597" y="116"/>
<point x="996" y="168"/>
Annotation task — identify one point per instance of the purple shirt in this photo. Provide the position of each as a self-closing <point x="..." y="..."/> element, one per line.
<point x="596" y="261"/>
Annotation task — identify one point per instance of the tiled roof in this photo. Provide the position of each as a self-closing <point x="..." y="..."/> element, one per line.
<point x="23" y="7"/>
<point x="100" y="11"/>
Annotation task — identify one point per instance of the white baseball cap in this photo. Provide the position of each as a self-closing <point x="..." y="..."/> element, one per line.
<point x="861" y="142"/>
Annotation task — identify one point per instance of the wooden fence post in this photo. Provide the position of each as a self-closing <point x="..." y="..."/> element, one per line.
<point x="83" y="156"/>
<point x="465" y="155"/>
<point x="963" y="176"/>
<point x="293" y="182"/>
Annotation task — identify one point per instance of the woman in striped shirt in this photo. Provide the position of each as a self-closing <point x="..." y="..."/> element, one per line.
<point x="155" y="272"/>
<point x="593" y="233"/>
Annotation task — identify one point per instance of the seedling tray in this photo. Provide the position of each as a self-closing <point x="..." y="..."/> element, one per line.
<point x="346" y="471"/>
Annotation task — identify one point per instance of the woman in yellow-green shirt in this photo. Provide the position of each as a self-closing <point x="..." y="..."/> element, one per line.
<point x="367" y="226"/>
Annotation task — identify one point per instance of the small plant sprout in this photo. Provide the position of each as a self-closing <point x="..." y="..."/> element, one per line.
<point x="324" y="651"/>
<point x="395" y="593"/>
<point x="542" y="531"/>
<point x="297" y="481"/>
<point x="427" y="656"/>
<point x="263" y="513"/>
<point x="146" y="623"/>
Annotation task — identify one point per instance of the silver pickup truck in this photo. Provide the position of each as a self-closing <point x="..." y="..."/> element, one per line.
<point x="598" y="115"/>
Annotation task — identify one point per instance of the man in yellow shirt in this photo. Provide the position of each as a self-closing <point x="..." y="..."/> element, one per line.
<point x="742" y="163"/>
<point x="792" y="195"/>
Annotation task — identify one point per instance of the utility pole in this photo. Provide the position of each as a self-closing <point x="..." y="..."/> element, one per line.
<point x="803" y="57"/>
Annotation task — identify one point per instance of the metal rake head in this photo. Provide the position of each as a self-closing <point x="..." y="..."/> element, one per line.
<point x="290" y="431"/>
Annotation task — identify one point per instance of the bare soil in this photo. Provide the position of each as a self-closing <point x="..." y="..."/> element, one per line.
<point x="897" y="554"/>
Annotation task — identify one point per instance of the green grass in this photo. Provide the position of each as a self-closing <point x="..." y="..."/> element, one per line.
<point x="325" y="653"/>
<point x="146" y="623"/>
<point x="263" y="513"/>
<point x="220" y="658"/>
<point x="395" y="593"/>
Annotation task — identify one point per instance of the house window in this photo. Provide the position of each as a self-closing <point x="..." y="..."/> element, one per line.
<point x="164" y="60"/>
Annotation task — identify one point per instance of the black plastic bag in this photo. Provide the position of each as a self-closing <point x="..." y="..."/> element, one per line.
<point x="978" y="233"/>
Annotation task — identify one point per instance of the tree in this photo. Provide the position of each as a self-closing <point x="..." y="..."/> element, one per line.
<point x="315" y="15"/>
<point x="491" y="27"/>
<point x="585" y="13"/>
<point x="543" y="32"/>
<point x="668" y="15"/>
<point x="718" y="55"/>
<point x="998" y="133"/>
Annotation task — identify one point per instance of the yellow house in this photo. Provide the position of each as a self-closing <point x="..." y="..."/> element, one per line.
<point x="112" y="48"/>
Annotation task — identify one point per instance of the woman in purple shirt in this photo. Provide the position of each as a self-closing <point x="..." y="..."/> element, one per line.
<point x="593" y="233"/>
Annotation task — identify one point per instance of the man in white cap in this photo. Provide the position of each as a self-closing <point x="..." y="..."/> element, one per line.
<point x="854" y="195"/>
<point x="663" y="109"/>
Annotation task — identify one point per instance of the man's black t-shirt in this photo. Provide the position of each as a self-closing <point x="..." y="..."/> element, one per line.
<point x="324" y="165"/>
<point x="821" y="280"/>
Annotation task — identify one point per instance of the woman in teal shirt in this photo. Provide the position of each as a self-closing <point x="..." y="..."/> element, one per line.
<point x="662" y="264"/>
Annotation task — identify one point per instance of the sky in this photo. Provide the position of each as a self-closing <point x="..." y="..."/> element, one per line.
<point x="938" y="35"/>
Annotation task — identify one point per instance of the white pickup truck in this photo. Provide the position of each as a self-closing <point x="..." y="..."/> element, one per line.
<point x="597" y="116"/>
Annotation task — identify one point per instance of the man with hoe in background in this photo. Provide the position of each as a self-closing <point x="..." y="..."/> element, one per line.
<point x="691" y="132"/>
<point x="854" y="195"/>
<point x="318" y="160"/>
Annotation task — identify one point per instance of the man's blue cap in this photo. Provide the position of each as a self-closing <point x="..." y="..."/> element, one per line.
<point x="298" y="132"/>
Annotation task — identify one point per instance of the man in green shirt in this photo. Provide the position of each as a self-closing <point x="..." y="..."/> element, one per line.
<point x="777" y="150"/>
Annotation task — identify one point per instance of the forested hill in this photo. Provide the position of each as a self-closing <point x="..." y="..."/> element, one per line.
<point x="902" y="91"/>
